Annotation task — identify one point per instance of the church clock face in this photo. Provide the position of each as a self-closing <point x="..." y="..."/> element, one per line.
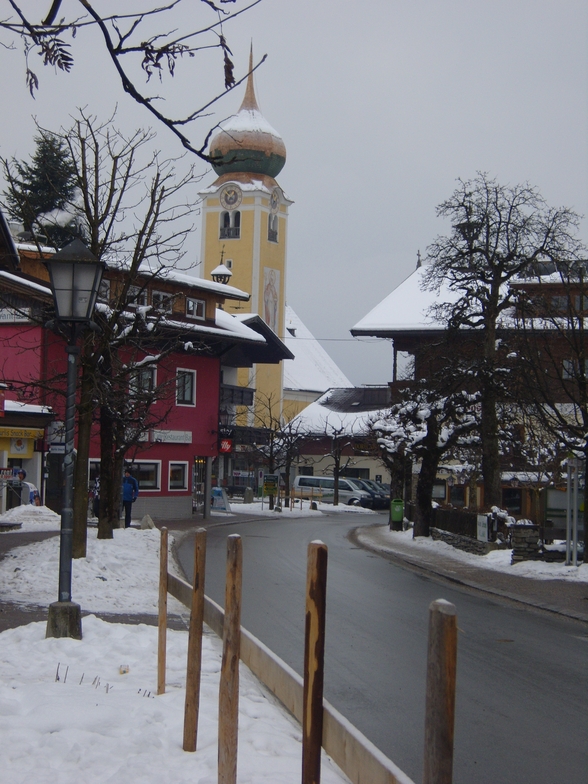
<point x="275" y="200"/>
<point x="230" y="196"/>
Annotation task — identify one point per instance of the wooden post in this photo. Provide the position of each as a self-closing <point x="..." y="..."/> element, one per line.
<point x="162" y="616"/>
<point x="228" y="701"/>
<point x="314" y="653"/>
<point x="440" y="699"/>
<point x="193" y="668"/>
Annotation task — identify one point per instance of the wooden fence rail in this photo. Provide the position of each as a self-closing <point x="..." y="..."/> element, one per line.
<point x="358" y="758"/>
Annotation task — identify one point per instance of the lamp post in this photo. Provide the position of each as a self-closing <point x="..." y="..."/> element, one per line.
<point x="75" y="275"/>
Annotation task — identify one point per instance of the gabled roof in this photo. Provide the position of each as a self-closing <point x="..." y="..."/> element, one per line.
<point x="344" y="411"/>
<point x="311" y="369"/>
<point x="406" y="309"/>
<point x="277" y="347"/>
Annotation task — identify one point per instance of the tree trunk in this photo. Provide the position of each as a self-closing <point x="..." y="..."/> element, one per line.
<point x="424" y="490"/>
<point x="490" y="451"/>
<point x="106" y="471"/>
<point x="336" y="469"/>
<point x="80" y="500"/>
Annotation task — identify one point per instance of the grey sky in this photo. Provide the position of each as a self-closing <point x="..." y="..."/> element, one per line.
<point x="382" y="105"/>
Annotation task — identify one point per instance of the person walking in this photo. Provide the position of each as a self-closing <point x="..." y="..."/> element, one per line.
<point x="130" y="493"/>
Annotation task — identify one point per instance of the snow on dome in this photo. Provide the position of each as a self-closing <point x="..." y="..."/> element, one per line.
<point x="312" y="369"/>
<point x="246" y="142"/>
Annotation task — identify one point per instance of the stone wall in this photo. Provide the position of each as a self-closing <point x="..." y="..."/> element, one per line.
<point x="465" y="543"/>
<point x="525" y="543"/>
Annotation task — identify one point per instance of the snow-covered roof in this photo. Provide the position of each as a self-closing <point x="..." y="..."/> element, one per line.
<point x="325" y="417"/>
<point x="312" y="369"/>
<point x="25" y="408"/>
<point x="167" y="275"/>
<point x="406" y="308"/>
<point x="248" y="183"/>
<point x="26" y="283"/>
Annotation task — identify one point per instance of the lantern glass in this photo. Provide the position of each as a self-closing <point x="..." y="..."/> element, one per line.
<point x="75" y="286"/>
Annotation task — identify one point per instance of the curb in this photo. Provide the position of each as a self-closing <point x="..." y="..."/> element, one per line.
<point x="414" y="563"/>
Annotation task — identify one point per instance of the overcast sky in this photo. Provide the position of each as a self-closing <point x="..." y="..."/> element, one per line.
<point x="382" y="105"/>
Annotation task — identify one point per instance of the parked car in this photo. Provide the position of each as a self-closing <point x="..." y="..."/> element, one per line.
<point x="381" y="488"/>
<point x="379" y="500"/>
<point x="322" y="488"/>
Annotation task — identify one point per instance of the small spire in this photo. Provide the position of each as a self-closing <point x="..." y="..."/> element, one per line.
<point x="249" y="101"/>
<point x="419" y="262"/>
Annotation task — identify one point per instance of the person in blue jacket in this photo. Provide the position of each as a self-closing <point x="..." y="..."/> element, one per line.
<point x="130" y="493"/>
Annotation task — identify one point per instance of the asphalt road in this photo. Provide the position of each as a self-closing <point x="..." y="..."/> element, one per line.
<point x="522" y="676"/>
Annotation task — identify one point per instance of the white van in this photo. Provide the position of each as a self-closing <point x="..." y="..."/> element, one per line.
<point x="322" y="488"/>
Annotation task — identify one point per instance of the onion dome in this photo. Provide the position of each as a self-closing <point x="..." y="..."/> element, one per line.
<point x="246" y="141"/>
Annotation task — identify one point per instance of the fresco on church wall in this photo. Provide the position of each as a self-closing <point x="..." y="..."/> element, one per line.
<point x="271" y="287"/>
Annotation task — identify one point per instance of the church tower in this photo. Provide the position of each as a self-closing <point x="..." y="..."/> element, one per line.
<point x="244" y="226"/>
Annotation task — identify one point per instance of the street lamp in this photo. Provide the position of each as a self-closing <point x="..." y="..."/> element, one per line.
<point x="75" y="275"/>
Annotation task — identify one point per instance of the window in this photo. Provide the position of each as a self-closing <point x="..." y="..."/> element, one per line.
<point x="306" y="470"/>
<point x="178" y="476"/>
<point x="142" y="381"/>
<point x="195" y="308"/>
<point x="440" y="490"/>
<point x="272" y="228"/>
<point x="137" y="296"/>
<point x="230" y="226"/>
<point x="148" y="475"/>
<point x="185" y="387"/>
<point x="162" y="301"/>
<point x="104" y="291"/>
<point x="457" y="495"/>
<point x="571" y="369"/>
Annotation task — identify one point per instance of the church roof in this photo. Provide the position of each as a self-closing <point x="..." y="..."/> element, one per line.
<point x="246" y="142"/>
<point x="312" y="369"/>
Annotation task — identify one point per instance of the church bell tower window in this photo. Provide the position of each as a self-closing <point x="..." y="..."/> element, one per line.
<point x="272" y="228"/>
<point x="230" y="228"/>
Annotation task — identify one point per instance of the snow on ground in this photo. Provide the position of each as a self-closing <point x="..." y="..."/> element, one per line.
<point x="118" y="575"/>
<point x="98" y="724"/>
<point x="498" y="560"/>
<point x="32" y="518"/>
<point x="296" y="511"/>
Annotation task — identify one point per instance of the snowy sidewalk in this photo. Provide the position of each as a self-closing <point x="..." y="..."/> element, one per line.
<point x="96" y="721"/>
<point x="548" y="586"/>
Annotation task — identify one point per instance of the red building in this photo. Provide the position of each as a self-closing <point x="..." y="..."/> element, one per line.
<point x="180" y="429"/>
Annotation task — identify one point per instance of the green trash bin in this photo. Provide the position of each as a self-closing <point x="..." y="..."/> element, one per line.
<point x="396" y="510"/>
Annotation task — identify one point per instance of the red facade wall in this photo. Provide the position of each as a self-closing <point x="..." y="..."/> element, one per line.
<point x="31" y="353"/>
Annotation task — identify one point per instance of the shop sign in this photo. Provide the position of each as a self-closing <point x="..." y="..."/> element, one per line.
<point x="14" y="316"/>
<point x="482" y="532"/>
<point x="172" y="436"/>
<point x="225" y="445"/>
<point x="18" y="432"/>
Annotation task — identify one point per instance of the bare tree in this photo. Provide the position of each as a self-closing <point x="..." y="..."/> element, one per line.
<point x="145" y="41"/>
<point x="498" y="233"/>
<point x="135" y="215"/>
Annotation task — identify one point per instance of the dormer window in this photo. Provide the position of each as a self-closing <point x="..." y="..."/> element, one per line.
<point x="195" y="308"/>
<point x="272" y="228"/>
<point x="230" y="228"/>
<point x="162" y="301"/>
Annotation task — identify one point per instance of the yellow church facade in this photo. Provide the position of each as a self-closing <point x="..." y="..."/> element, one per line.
<point x="244" y="234"/>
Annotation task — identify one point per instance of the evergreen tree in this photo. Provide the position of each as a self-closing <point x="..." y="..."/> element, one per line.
<point x="40" y="194"/>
